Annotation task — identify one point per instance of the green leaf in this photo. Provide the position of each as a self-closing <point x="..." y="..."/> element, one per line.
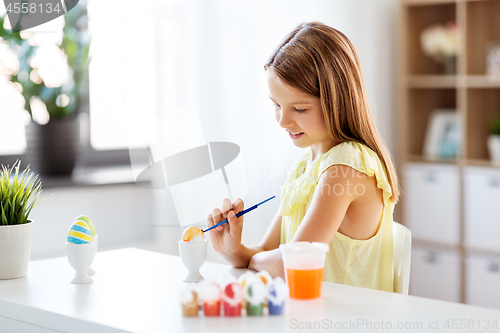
<point x="4" y="218"/>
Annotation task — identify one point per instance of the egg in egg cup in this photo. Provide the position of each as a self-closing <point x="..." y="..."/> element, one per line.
<point x="193" y="252"/>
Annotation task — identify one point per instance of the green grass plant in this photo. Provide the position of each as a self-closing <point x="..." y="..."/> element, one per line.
<point x="19" y="193"/>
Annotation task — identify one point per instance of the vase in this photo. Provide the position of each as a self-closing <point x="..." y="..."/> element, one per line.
<point x="15" y="249"/>
<point x="52" y="149"/>
<point x="494" y="148"/>
<point x="450" y="65"/>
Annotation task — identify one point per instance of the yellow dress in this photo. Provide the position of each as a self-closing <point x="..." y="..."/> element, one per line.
<point x="363" y="263"/>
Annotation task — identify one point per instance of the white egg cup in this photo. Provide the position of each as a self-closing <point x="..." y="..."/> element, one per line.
<point x="91" y="270"/>
<point x="193" y="255"/>
<point x="80" y="257"/>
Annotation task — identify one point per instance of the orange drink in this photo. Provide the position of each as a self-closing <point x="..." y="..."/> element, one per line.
<point x="304" y="265"/>
<point x="305" y="284"/>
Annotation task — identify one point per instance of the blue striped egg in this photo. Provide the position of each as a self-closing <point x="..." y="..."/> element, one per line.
<point x="80" y="233"/>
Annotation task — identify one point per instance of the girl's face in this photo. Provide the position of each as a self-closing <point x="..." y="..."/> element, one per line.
<point x="299" y="112"/>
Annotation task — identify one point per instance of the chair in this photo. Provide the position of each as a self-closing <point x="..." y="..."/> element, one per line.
<point x="402" y="258"/>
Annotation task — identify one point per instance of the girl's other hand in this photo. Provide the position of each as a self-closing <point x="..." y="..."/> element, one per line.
<point x="226" y="238"/>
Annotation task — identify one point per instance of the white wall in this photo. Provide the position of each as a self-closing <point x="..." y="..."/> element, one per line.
<point x="122" y="215"/>
<point x="211" y="54"/>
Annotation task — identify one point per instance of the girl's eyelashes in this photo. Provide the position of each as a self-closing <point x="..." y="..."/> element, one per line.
<point x="298" y="110"/>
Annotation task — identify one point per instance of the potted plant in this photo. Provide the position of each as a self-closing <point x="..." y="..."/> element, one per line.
<point x="52" y="137"/>
<point x="18" y="195"/>
<point x="494" y="140"/>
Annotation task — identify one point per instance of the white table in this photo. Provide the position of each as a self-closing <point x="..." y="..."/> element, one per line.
<point x="139" y="291"/>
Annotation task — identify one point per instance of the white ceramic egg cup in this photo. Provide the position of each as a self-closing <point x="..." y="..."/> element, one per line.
<point x="80" y="257"/>
<point x="193" y="255"/>
<point x="91" y="270"/>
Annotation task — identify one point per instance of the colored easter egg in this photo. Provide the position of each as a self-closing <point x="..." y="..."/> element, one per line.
<point x="80" y="233"/>
<point x="89" y="222"/>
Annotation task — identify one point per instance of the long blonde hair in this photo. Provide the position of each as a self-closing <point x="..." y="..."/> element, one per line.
<point x="321" y="61"/>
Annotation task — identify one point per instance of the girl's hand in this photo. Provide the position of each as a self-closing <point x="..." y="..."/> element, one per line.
<point x="226" y="239"/>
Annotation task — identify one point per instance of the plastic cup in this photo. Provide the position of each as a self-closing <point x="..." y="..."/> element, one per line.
<point x="304" y="265"/>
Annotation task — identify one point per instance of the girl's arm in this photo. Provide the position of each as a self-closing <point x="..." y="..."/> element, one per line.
<point x="270" y="241"/>
<point x="226" y="239"/>
<point x="331" y="199"/>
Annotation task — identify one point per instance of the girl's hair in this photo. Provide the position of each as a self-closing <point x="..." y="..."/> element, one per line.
<point x="321" y="61"/>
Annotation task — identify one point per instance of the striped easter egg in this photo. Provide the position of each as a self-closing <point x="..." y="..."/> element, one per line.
<point x="80" y="233"/>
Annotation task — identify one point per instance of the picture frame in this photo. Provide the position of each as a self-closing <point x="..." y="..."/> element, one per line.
<point x="443" y="135"/>
<point x="493" y="60"/>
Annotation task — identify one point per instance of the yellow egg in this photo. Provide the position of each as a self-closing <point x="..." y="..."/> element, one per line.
<point x="192" y="233"/>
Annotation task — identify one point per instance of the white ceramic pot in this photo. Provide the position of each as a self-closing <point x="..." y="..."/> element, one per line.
<point x="15" y="250"/>
<point x="494" y="148"/>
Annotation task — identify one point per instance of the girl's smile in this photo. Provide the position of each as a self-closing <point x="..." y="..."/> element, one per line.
<point x="295" y="136"/>
<point x="300" y="114"/>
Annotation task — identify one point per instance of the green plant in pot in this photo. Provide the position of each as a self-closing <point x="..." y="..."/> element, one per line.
<point x="19" y="193"/>
<point x="53" y="99"/>
<point x="494" y="140"/>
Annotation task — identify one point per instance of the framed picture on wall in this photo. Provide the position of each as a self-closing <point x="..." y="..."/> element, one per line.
<point x="493" y="60"/>
<point x="443" y="135"/>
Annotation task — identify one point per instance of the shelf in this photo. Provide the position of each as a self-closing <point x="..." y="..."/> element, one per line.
<point x="428" y="2"/>
<point x="422" y="102"/>
<point x="482" y="105"/>
<point x="419" y="18"/>
<point x="469" y="162"/>
<point x="431" y="81"/>
<point x="482" y="28"/>
<point x="475" y="96"/>
<point x="483" y="163"/>
<point x="482" y="81"/>
<point x="452" y="81"/>
<point x="424" y="159"/>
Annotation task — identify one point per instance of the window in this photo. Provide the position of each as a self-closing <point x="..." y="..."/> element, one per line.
<point x="121" y="74"/>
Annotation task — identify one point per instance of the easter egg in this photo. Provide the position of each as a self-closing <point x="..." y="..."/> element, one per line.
<point x="89" y="222"/>
<point x="80" y="233"/>
<point x="193" y="234"/>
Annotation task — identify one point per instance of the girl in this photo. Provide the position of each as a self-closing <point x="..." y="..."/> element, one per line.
<point x="343" y="189"/>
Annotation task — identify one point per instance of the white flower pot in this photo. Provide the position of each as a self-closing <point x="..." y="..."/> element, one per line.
<point x="15" y="250"/>
<point x="494" y="148"/>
